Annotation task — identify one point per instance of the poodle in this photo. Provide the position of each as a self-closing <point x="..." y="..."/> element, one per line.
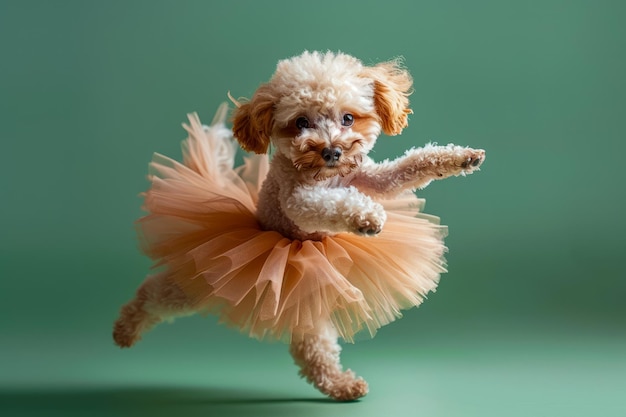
<point x="320" y="115"/>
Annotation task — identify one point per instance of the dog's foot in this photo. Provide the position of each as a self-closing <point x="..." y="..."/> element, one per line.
<point x="125" y="335"/>
<point x="133" y="321"/>
<point x="369" y="222"/>
<point x="467" y="160"/>
<point x="318" y="359"/>
<point x="347" y="387"/>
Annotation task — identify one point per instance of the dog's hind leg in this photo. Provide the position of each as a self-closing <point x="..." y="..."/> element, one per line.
<point x="156" y="300"/>
<point x="318" y="359"/>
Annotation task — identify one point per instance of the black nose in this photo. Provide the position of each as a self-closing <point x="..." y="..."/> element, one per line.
<point x="329" y="154"/>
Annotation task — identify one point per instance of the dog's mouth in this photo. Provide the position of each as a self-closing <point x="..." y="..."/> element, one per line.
<point x="328" y="169"/>
<point x="325" y="161"/>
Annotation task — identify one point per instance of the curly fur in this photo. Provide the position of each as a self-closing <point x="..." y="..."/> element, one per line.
<point x="322" y="113"/>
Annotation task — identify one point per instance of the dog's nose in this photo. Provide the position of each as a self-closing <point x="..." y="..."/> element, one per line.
<point x="329" y="154"/>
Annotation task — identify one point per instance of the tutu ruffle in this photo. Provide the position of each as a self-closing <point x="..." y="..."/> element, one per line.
<point x="202" y="232"/>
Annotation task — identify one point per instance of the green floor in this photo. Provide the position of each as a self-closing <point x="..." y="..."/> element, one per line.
<point x="197" y="369"/>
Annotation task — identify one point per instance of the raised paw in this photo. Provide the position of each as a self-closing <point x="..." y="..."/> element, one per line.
<point x="133" y="321"/>
<point x="123" y="335"/>
<point x="369" y="223"/>
<point x="469" y="160"/>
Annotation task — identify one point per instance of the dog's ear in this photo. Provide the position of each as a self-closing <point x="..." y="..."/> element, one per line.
<point x="392" y="88"/>
<point x="253" y="121"/>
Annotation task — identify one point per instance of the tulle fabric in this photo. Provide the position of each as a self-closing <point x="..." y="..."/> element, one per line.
<point x="202" y="232"/>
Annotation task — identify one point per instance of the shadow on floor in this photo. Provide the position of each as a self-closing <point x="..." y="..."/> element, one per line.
<point x="157" y="401"/>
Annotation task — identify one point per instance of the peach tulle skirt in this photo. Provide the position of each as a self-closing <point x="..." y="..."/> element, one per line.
<point x="202" y="232"/>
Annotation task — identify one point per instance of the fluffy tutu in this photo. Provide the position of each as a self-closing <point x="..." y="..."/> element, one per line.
<point x="202" y="232"/>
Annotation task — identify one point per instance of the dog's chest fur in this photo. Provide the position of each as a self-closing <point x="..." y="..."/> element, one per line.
<point x="281" y="180"/>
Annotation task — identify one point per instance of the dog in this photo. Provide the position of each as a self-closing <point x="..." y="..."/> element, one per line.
<point x="321" y="114"/>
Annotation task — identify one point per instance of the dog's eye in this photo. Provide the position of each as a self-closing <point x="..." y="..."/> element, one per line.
<point x="302" y="123"/>
<point x="348" y="120"/>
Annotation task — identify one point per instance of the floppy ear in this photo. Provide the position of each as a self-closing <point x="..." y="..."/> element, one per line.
<point x="253" y="121"/>
<point x="392" y="88"/>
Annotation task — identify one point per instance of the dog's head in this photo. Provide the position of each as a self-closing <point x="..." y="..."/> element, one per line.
<point x="324" y="111"/>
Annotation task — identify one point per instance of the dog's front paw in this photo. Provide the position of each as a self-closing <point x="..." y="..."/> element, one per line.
<point x="468" y="160"/>
<point x="369" y="222"/>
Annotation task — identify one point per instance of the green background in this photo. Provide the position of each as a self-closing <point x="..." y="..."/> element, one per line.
<point x="530" y="319"/>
